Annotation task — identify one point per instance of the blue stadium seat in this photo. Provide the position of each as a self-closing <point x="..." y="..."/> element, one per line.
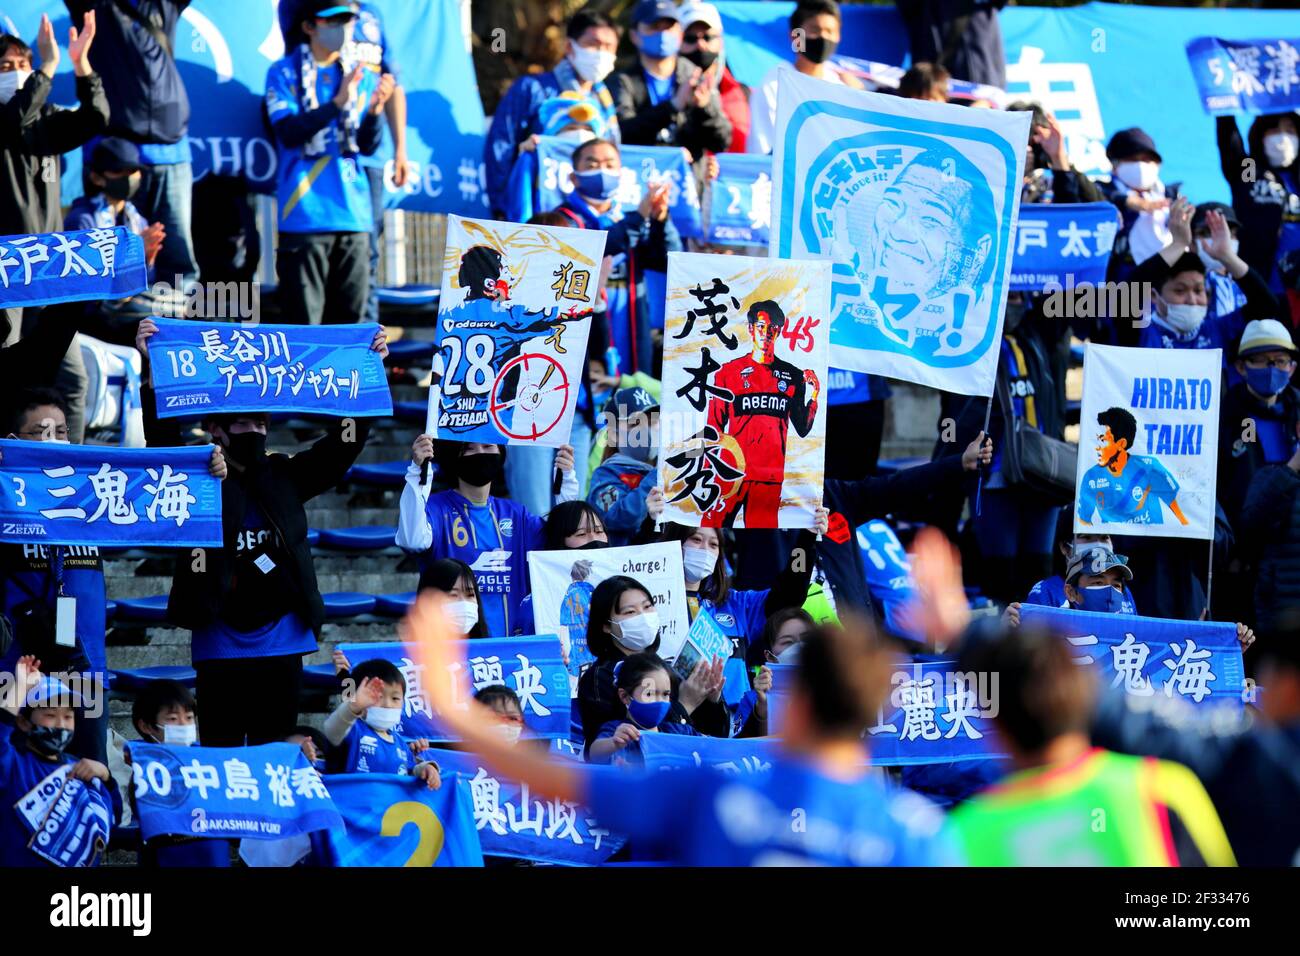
<point x="319" y="677"/>
<point x="110" y="608"/>
<point x="410" y="297"/>
<point x="143" y="609"/>
<point x="134" y="680"/>
<point x="1076" y="353"/>
<point x="405" y="351"/>
<point x="347" y="604"/>
<point x="313" y="537"/>
<point x="387" y="474"/>
<point x="394" y="605"/>
<point x="366" y="538"/>
<point x="411" y="411"/>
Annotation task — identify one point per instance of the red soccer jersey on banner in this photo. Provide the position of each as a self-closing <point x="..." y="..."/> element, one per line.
<point x="767" y="399"/>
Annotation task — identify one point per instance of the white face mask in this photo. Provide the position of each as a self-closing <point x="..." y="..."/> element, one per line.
<point x="383" y="718"/>
<point x="1281" y="149"/>
<point x="592" y="65"/>
<point x="637" y="633"/>
<point x="180" y="735"/>
<point x="790" y="655"/>
<point x="578" y="135"/>
<point x="463" y="615"/>
<point x="11" y="82"/>
<point x="698" y="562"/>
<point x="1183" y="319"/>
<point x="509" y="731"/>
<point x="1140" y="176"/>
<point x="1212" y="264"/>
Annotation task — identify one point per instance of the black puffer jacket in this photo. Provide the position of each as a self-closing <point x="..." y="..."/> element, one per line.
<point x="1270" y="528"/>
<point x="1240" y="460"/>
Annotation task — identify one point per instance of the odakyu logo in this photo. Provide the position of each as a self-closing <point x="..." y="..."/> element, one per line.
<point x="917" y="238"/>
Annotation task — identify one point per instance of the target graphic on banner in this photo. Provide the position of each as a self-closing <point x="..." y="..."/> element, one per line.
<point x="541" y="394"/>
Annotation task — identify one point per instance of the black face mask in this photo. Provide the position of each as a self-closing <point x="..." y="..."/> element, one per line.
<point x="122" y="187"/>
<point x="49" y="741"/>
<point x="479" y="469"/>
<point x="593" y="545"/>
<point x="819" y="49"/>
<point x="702" y="58"/>
<point x="246" y="448"/>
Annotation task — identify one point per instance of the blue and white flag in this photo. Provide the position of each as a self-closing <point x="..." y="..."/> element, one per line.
<point x="513" y="322"/>
<point x="70" y="820"/>
<point x="267" y="792"/>
<point x="915" y="203"/>
<point x="1062" y="246"/>
<point x="511" y="822"/>
<point x="392" y="820"/>
<point x="51" y="493"/>
<point x="740" y="201"/>
<point x="1197" y="661"/>
<point x="934" y="714"/>
<point x="1148" y="442"/>
<point x="730" y="755"/>
<point x="201" y="368"/>
<point x="52" y="267"/>
<point x="1246" y="76"/>
<point x="532" y="667"/>
<point x="642" y="166"/>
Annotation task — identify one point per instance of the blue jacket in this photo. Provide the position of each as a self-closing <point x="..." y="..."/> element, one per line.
<point x="619" y="488"/>
<point x="146" y="97"/>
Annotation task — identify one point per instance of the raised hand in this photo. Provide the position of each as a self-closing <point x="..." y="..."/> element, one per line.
<point x="79" y="46"/>
<point x="47" y="47"/>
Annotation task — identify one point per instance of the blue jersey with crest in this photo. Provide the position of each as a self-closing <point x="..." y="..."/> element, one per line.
<point x="1132" y="496"/>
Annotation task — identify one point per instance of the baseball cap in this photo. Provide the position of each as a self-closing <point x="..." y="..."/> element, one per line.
<point x="113" y="154"/>
<point x="1265" y="335"/>
<point x="1130" y="142"/>
<point x="648" y="11"/>
<point x="689" y="13"/>
<point x="627" y="402"/>
<point x="52" y="692"/>
<point x="324" y="9"/>
<point x="1096" y="559"/>
<point x="1228" y="213"/>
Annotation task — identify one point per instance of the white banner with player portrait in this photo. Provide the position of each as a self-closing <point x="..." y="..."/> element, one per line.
<point x="916" y="204"/>
<point x="743" y="418"/>
<point x="1148" y="442"/>
<point x="513" y="321"/>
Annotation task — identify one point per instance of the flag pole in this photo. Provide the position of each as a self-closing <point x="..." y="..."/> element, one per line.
<point x="979" y="484"/>
<point x="1209" y="579"/>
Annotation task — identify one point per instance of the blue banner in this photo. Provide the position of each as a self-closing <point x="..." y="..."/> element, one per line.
<point x="201" y="367"/>
<point x="1063" y="245"/>
<point x="70" y="819"/>
<point x="224" y="49"/>
<point x="530" y="666"/>
<point x="52" y="493"/>
<point x="511" y="823"/>
<point x="642" y="166"/>
<point x="730" y="755"/>
<point x="740" y="201"/>
<point x="259" y="793"/>
<point x="391" y="820"/>
<point x="54" y="267"/>
<point x="933" y="715"/>
<point x="1257" y="76"/>
<point x="1198" y="661"/>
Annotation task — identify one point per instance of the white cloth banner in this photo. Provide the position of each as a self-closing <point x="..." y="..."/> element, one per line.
<point x="562" y="583"/>
<point x="916" y="205"/>
<point x="743" y="421"/>
<point x="1148" y="442"/>
<point x="513" y="321"/>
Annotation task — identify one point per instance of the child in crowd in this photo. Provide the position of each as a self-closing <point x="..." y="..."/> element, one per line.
<point x="361" y="730"/>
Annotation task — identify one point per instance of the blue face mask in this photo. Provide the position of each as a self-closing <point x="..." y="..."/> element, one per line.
<point x="663" y="43"/>
<point x="648" y="715"/>
<point x="598" y="184"/>
<point x="1267" y="381"/>
<point x="1102" y="598"/>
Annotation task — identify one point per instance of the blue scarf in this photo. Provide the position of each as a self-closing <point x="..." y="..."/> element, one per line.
<point x="590" y="218"/>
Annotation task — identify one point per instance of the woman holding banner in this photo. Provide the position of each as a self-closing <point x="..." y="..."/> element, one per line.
<point x="699" y="817"/>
